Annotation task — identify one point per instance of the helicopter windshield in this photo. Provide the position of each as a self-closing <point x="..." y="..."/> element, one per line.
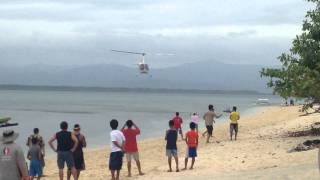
<point x="144" y="68"/>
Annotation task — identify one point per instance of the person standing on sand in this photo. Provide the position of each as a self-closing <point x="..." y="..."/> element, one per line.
<point x="34" y="155"/>
<point x="78" y="153"/>
<point x="209" y="120"/>
<point x="13" y="165"/>
<point x="40" y="143"/>
<point x="116" y="155"/>
<point x="195" y="119"/>
<point x="66" y="145"/>
<point x="177" y="124"/>
<point x="130" y="146"/>
<point x="192" y="141"/>
<point x="171" y="146"/>
<point x="234" y="117"/>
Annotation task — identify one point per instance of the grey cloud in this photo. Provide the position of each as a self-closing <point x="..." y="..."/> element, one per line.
<point x="242" y="33"/>
<point x="184" y="13"/>
<point x="82" y="31"/>
<point x="96" y="50"/>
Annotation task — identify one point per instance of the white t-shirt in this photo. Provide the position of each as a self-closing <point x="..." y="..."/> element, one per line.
<point x="118" y="136"/>
<point x="195" y="119"/>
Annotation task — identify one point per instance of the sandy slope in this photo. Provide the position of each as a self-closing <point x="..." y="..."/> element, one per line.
<point x="259" y="153"/>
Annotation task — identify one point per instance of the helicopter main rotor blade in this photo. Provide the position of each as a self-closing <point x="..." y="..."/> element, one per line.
<point x="128" y="52"/>
<point x="164" y="54"/>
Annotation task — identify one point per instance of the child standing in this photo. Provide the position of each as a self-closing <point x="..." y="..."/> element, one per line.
<point x="117" y="142"/>
<point x="192" y="143"/>
<point x="171" y="147"/>
<point x="34" y="155"/>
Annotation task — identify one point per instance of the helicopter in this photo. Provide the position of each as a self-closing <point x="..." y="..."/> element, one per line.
<point x="143" y="67"/>
<point x="4" y="122"/>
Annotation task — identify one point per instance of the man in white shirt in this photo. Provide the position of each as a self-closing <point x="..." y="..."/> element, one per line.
<point x="117" y="140"/>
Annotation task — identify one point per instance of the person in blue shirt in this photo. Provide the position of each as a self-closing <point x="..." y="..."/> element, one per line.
<point x="171" y="146"/>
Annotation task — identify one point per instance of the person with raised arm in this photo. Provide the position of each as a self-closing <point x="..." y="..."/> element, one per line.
<point x="66" y="145"/>
<point x="209" y="120"/>
<point x="130" y="146"/>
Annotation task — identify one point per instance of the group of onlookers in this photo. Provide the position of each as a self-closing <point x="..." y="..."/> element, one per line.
<point x="124" y="141"/>
<point x="70" y="144"/>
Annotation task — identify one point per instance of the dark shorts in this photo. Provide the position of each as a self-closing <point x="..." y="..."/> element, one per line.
<point x="65" y="157"/>
<point x="210" y="129"/>
<point x="115" y="160"/>
<point x="233" y="127"/>
<point x="35" y="168"/>
<point x="179" y="130"/>
<point x="192" y="152"/>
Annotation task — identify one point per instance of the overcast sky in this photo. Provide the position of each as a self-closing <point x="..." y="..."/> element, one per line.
<point x="80" y="32"/>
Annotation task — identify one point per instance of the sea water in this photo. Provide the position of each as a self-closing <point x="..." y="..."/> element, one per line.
<point x="151" y="111"/>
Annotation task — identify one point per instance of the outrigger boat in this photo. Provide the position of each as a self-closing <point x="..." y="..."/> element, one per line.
<point x="4" y="122"/>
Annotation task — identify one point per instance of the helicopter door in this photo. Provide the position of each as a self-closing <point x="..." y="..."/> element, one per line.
<point x="146" y="67"/>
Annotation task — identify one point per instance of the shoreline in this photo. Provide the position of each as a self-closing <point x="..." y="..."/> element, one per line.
<point x="247" y="113"/>
<point x="260" y="140"/>
<point x="17" y="87"/>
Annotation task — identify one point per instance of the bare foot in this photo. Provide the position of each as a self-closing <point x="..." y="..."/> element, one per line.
<point x="183" y="169"/>
<point x="191" y="168"/>
<point x="170" y="170"/>
<point x="129" y="175"/>
<point x="141" y="174"/>
<point x="177" y="170"/>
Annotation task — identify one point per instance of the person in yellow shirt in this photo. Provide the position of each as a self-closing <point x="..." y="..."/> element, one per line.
<point x="234" y="117"/>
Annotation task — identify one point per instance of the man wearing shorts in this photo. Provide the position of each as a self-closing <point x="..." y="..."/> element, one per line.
<point x="117" y="141"/>
<point x="66" y="145"/>
<point x="234" y="117"/>
<point x="209" y="120"/>
<point x="130" y="146"/>
<point x="171" y="146"/>
<point x="177" y="124"/>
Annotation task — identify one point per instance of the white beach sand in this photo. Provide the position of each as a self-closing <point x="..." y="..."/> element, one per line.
<point x="259" y="153"/>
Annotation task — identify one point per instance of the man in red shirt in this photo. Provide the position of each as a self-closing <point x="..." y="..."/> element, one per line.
<point x="192" y="140"/>
<point x="177" y="124"/>
<point x="130" y="146"/>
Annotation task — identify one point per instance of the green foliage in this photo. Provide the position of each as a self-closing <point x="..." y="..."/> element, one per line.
<point x="299" y="75"/>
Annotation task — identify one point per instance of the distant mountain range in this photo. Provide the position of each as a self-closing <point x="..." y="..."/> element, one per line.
<point x="197" y="76"/>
